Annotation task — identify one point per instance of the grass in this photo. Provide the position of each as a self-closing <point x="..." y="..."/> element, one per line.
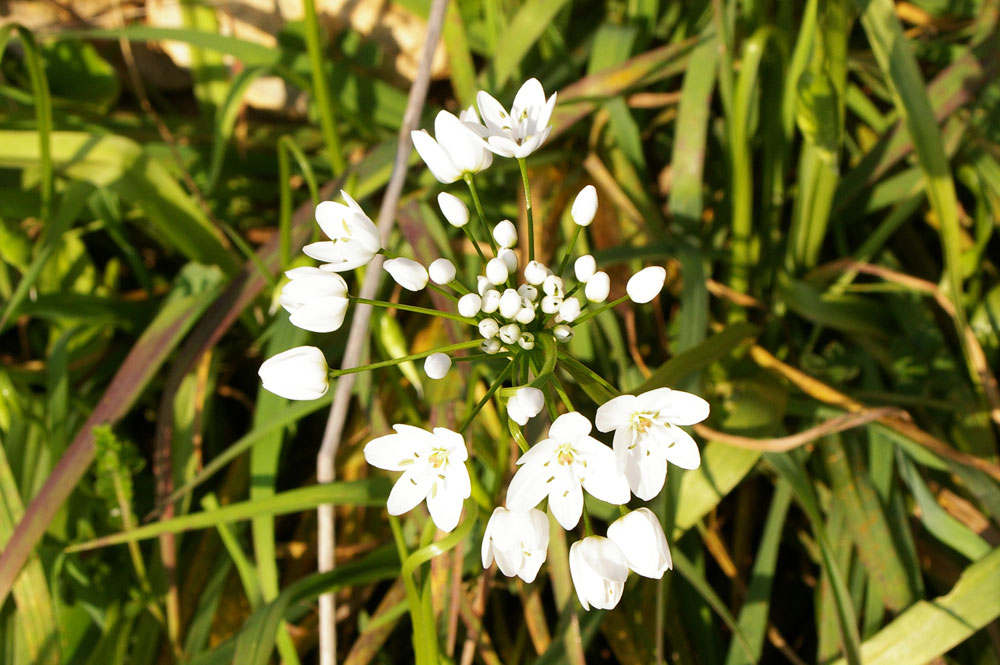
<point x="821" y="181"/>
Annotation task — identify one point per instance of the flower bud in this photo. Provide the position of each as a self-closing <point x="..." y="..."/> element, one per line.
<point x="491" y="301"/>
<point x="315" y="299"/>
<point x="569" y="310"/>
<point x="510" y="333"/>
<point x="491" y="345"/>
<point x="408" y="273"/>
<point x="584" y="268"/>
<point x="453" y="209"/>
<point x="496" y="271"/>
<point x="299" y="373"/>
<point x="526" y="341"/>
<point x="442" y="271"/>
<point x="535" y="273"/>
<point x="646" y="284"/>
<point x="550" y="304"/>
<point x="584" y="206"/>
<point x="482" y="285"/>
<point x="510" y="304"/>
<point x="509" y="257"/>
<point x="489" y="328"/>
<point x="527" y="313"/>
<point x="528" y="291"/>
<point x="437" y="365"/>
<point x="553" y="286"/>
<point x="469" y="304"/>
<point x="525" y="404"/>
<point x="505" y="234"/>
<point x="562" y="333"/>
<point x="598" y="287"/>
<point x="640" y="537"/>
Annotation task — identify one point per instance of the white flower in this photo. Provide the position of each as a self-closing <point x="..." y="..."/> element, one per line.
<point x="457" y="150"/>
<point x="505" y="234"/>
<point x="640" y="537"/>
<point x="491" y="301"/>
<point x="584" y="268"/>
<point x="408" y="273"/>
<point x="509" y="257"/>
<point x="550" y="304"/>
<point x="525" y="129"/>
<point x="526" y="314"/>
<point x="490" y="345"/>
<point x="553" y="286"/>
<point x="528" y="291"/>
<point x="510" y="333"/>
<point x="510" y="304"/>
<point x="598" y="287"/>
<point x="299" y="373"/>
<point x="496" y="271"/>
<point x="469" y="304"/>
<point x="354" y="239"/>
<point x="316" y="300"/>
<point x="535" y="273"/>
<point x="646" y="284"/>
<point x="518" y="541"/>
<point x="437" y="365"/>
<point x="647" y="435"/>
<point x="525" y="404"/>
<point x="599" y="570"/>
<point x="562" y="333"/>
<point x="441" y="271"/>
<point x="453" y="209"/>
<point x="558" y="466"/>
<point x="584" y="206"/>
<point x="569" y="310"/>
<point x="489" y="328"/>
<point x="433" y="466"/>
<point x="526" y="341"/>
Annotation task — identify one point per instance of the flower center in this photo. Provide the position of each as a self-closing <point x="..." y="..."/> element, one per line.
<point x="438" y="458"/>
<point x="564" y="454"/>
<point x="643" y="420"/>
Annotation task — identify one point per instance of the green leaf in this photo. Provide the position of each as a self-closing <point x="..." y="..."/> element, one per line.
<point x="77" y="72"/>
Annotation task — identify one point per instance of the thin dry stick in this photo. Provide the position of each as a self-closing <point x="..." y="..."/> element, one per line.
<point x="359" y="330"/>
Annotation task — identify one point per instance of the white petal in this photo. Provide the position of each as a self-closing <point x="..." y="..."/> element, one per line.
<point x="435" y="157"/>
<point x="392" y="452"/>
<point x="640" y="537"/>
<point x="579" y="572"/>
<point x="464" y="147"/>
<point x="615" y="413"/>
<point x="322" y="315"/>
<point x="486" y="551"/>
<point x="502" y="145"/>
<point x="331" y="217"/>
<point x="408" y="491"/>
<point x="607" y="560"/>
<point x="624" y="438"/>
<point x="569" y="427"/>
<point x="530" y="565"/>
<point x="539" y="453"/>
<point x="493" y="112"/>
<point x="528" y="487"/>
<point x="685" y="409"/>
<point x="605" y="482"/>
<point x="566" y="499"/>
<point x="444" y="502"/>
<point x="684" y="452"/>
<point x="453" y="442"/>
<point x="646" y="472"/>
<point x="530" y="97"/>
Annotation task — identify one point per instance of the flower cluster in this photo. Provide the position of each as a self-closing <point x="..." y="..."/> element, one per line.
<point x="524" y="314"/>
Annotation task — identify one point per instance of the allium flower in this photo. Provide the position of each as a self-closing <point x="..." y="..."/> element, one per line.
<point x="457" y="149"/>
<point x="433" y="466"/>
<point x="598" y="287"/>
<point x="647" y="435"/>
<point x="469" y="304"/>
<point x="525" y="129"/>
<point x="315" y="300"/>
<point x="646" y="284"/>
<point x="558" y="466"/>
<point x="456" y="212"/>
<point x="525" y="404"/>
<point x="599" y="570"/>
<point x="518" y="541"/>
<point x="505" y="234"/>
<point x="640" y="537"/>
<point x="437" y="365"/>
<point x="584" y="206"/>
<point x="496" y="271"/>
<point x="407" y="273"/>
<point x="299" y="373"/>
<point x="354" y="239"/>
<point x="442" y="271"/>
<point x="584" y="268"/>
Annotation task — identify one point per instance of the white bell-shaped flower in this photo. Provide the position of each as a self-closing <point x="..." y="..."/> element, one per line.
<point x="490" y="345"/>
<point x="526" y="341"/>
<point x="491" y="301"/>
<point x="505" y="234"/>
<point x="509" y="257"/>
<point x="550" y="304"/>
<point x="599" y="570"/>
<point x="299" y="373"/>
<point x="437" y="365"/>
<point x="496" y="271"/>
<point x="453" y="209"/>
<point x="315" y="300"/>
<point x="489" y="328"/>
<point x="525" y="404"/>
<point x="562" y="466"/>
<point x="528" y="292"/>
<point x="526" y="314"/>
<point x="517" y="541"/>
<point x="584" y="206"/>
<point x="646" y="284"/>
<point x="407" y="273"/>
<point x="433" y="466"/>
<point x="553" y="286"/>
<point x="442" y="271"/>
<point x="562" y="333"/>
<point x="469" y="305"/>
<point x="510" y="333"/>
<point x="455" y="149"/>
<point x="584" y="268"/>
<point x="353" y="238"/>
<point x="510" y="304"/>
<point x="535" y="273"/>
<point x="648" y="434"/>
<point x="525" y="128"/>
<point x="640" y="537"/>
<point x="569" y="310"/>
<point x="598" y="287"/>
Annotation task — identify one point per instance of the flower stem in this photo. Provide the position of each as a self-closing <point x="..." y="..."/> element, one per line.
<point x="588" y="529"/>
<point x="447" y="294"/>
<point x="522" y="164"/>
<point x="412" y="308"/>
<point x="558" y="387"/>
<point x="583" y="369"/>
<point x="600" y="310"/>
<point x="321" y="91"/>
<point x="475" y="244"/>
<point x="489" y="393"/>
<point x="334" y="373"/>
<point x="470" y="181"/>
<point x="569" y="252"/>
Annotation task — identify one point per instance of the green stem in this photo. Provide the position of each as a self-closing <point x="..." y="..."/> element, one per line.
<point x="569" y="252"/>
<point x="489" y="393"/>
<point x="560" y="391"/>
<point x="334" y="373"/>
<point x="284" y="209"/>
<point x="412" y="308"/>
<point x="600" y="310"/>
<point x="588" y="528"/>
<point x="583" y="369"/>
<point x="471" y="182"/>
<point x="412" y="595"/>
<point x="327" y="116"/>
<point x="447" y="294"/>
<point x="522" y="164"/>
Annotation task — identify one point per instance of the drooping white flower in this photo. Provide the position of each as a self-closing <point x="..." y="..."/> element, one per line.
<point x="455" y="149"/>
<point x="535" y="273"/>
<point x="407" y="273"/>
<point x="491" y="345"/>
<point x="437" y="365"/>
<point x="584" y="206"/>
<point x="510" y="333"/>
<point x="550" y="304"/>
<point x="453" y="209"/>
<point x="562" y="333"/>
<point x="584" y="268"/>
<point x="510" y="304"/>
<point x="491" y="301"/>
<point x="526" y="314"/>
<point x="353" y="237"/>
<point x="496" y="271"/>
<point x="569" y="310"/>
<point x="561" y="466"/>
<point x="648" y="435"/>
<point x="598" y="287"/>
<point x="553" y="286"/>
<point x="469" y="304"/>
<point x="505" y="234"/>
<point x="442" y="271"/>
<point x="517" y="541"/>
<point x="525" y="404"/>
<point x="489" y="328"/>
<point x="599" y="570"/>
<point x="526" y="341"/>
<point x="433" y="466"/>
<point x="646" y="284"/>
<point x="528" y="291"/>
<point x="525" y="128"/>
<point x="640" y="537"/>
<point x="315" y="299"/>
<point x="299" y="373"/>
<point x="509" y="257"/>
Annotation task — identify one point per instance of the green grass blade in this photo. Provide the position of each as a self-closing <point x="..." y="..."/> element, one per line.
<point x="529" y="22"/>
